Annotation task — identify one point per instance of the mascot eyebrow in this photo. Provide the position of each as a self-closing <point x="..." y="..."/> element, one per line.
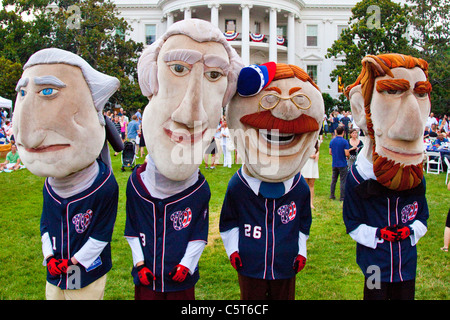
<point x="403" y="85"/>
<point x="49" y="80"/>
<point x="192" y="56"/>
<point x="23" y="82"/>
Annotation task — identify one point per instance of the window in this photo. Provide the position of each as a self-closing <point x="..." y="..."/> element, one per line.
<point x="312" y="72"/>
<point x="281" y="31"/>
<point x="257" y="27"/>
<point x="311" y="35"/>
<point x="340" y="29"/>
<point x="230" y="25"/>
<point x="150" y="34"/>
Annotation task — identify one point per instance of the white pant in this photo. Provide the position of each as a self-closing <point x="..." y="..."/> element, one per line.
<point x="226" y="156"/>
<point x="94" y="291"/>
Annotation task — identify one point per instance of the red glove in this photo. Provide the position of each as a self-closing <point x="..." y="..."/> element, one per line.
<point x="299" y="263"/>
<point x="403" y="233"/>
<point x="236" y="261"/>
<point x="64" y="264"/>
<point x="388" y="233"/>
<point x="145" y="275"/>
<point x="179" y="273"/>
<point x="52" y="266"/>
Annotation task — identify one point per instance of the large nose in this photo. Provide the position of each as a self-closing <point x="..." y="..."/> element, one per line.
<point x="408" y="125"/>
<point x="28" y="130"/>
<point x="191" y="111"/>
<point x="286" y="110"/>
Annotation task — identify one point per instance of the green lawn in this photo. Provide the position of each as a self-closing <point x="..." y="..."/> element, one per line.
<point x="330" y="273"/>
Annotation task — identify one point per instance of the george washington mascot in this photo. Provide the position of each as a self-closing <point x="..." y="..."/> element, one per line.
<point x="61" y="134"/>
<point x="188" y="75"/>
<point x="266" y="216"/>
<point x="385" y="210"/>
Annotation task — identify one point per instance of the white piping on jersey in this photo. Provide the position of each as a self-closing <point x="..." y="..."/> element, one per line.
<point x="164" y="229"/>
<point x="67" y="216"/>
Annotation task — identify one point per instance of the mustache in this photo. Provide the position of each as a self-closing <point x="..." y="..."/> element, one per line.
<point x="265" y="120"/>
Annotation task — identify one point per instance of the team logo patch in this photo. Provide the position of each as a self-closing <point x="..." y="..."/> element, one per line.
<point x="287" y="212"/>
<point x="82" y="221"/>
<point x="409" y="212"/>
<point x="181" y="219"/>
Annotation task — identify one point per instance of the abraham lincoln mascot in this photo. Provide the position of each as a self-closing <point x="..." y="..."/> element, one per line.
<point x="385" y="210"/>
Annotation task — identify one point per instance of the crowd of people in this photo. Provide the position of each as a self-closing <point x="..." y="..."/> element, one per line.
<point x="346" y="142"/>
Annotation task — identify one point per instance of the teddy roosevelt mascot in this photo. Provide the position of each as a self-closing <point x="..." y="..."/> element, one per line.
<point x="188" y="75"/>
<point x="266" y="216"/>
<point x="385" y="210"/>
<point x="60" y="133"/>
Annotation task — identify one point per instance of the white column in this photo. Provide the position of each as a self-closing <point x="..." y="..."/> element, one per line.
<point x="187" y="13"/>
<point x="291" y="38"/>
<point x="245" y="49"/>
<point x="169" y="19"/>
<point x="214" y="13"/>
<point x="273" y="35"/>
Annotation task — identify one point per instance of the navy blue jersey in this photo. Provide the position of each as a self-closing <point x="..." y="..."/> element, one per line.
<point x="368" y="202"/>
<point x="165" y="227"/>
<point x="70" y="222"/>
<point x="268" y="228"/>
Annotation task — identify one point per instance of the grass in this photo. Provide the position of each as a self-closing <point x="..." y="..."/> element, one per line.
<point x="331" y="272"/>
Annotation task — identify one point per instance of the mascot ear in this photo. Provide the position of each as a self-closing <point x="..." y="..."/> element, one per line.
<point x="358" y="110"/>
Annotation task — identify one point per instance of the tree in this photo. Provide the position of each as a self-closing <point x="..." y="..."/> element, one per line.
<point x="10" y="72"/>
<point x="376" y="26"/>
<point x="98" y="35"/>
<point x="90" y="28"/>
<point x="430" y="36"/>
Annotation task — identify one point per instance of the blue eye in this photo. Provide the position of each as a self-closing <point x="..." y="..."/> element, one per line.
<point x="22" y="93"/>
<point x="47" y="92"/>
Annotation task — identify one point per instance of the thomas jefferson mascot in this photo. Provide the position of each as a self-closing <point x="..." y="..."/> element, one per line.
<point x="61" y="134"/>
<point x="188" y="75"/>
<point x="385" y="210"/>
<point x="266" y="215"/>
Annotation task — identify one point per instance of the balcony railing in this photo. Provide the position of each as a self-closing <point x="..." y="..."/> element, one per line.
<point x="256" y="38"/>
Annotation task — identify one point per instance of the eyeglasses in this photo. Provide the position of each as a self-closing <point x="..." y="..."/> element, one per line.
<point x="271" y="100"/>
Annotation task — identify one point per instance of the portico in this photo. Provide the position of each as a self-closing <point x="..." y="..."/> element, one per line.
<point x="259" y="27"/>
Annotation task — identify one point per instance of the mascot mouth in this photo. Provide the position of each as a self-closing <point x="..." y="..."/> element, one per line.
<point x="182" y="134"/>
<point x="274" y="137"/>
<point x="280" y="132"/>
<point x="399" y="155"/>
<point x="47" y="148"/>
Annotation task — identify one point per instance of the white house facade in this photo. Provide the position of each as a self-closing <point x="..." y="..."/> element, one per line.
<point x="287" y="31"/>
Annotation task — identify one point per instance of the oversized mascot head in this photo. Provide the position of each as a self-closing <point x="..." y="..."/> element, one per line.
<point x="390" y="102"/>
<point x="275" y="119"/>
<point x="58" y="123"/>
<point x="188" y="75"/>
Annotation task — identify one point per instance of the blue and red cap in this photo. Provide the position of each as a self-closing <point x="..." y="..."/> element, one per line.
<point x="254" y="78"/>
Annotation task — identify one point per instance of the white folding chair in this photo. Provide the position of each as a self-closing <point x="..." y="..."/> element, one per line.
<point x="434" y="162"/>
<point x="448" y="168"/>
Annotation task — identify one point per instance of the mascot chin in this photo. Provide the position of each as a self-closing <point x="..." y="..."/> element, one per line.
<point x="275" y="120"/>
<point x="188" y="75"/>
<point x="61" y="134"/>
<point x="385" y="210"/>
